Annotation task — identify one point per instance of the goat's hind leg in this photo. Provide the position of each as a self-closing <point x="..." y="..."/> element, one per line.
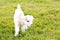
<point x="16" y="28"/>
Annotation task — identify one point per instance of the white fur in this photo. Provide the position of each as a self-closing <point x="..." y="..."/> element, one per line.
<point x="21" y="20"/>
<point x="28" y="23"/>
<point x="29" y="19"/>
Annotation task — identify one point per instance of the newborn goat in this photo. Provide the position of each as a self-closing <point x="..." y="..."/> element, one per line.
<point x="21" y="20"/>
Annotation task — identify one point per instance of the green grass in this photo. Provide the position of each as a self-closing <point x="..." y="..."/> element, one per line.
<point x="46" y="24"/>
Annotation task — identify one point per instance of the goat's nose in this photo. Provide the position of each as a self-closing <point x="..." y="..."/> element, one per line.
<point x="31" y="24"/>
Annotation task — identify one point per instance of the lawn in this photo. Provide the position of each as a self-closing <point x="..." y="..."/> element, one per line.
<point x="46" y="25"/>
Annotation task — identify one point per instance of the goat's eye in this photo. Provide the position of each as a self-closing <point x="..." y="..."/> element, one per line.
<point x="27" y="21"/>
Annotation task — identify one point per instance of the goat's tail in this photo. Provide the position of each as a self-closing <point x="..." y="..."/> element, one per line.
<point x="18" y="6"/>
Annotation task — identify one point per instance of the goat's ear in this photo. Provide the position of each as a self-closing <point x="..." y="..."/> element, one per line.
<point x="25" y="18"/>
<point x="33" y="18"/>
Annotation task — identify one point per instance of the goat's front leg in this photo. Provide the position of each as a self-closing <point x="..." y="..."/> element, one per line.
<point x="24" y="27"/>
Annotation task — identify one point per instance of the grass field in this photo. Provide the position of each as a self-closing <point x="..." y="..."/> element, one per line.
<point x="46" y="24"/>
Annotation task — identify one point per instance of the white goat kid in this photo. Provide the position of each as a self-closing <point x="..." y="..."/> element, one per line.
<point x="21" y="20"/>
